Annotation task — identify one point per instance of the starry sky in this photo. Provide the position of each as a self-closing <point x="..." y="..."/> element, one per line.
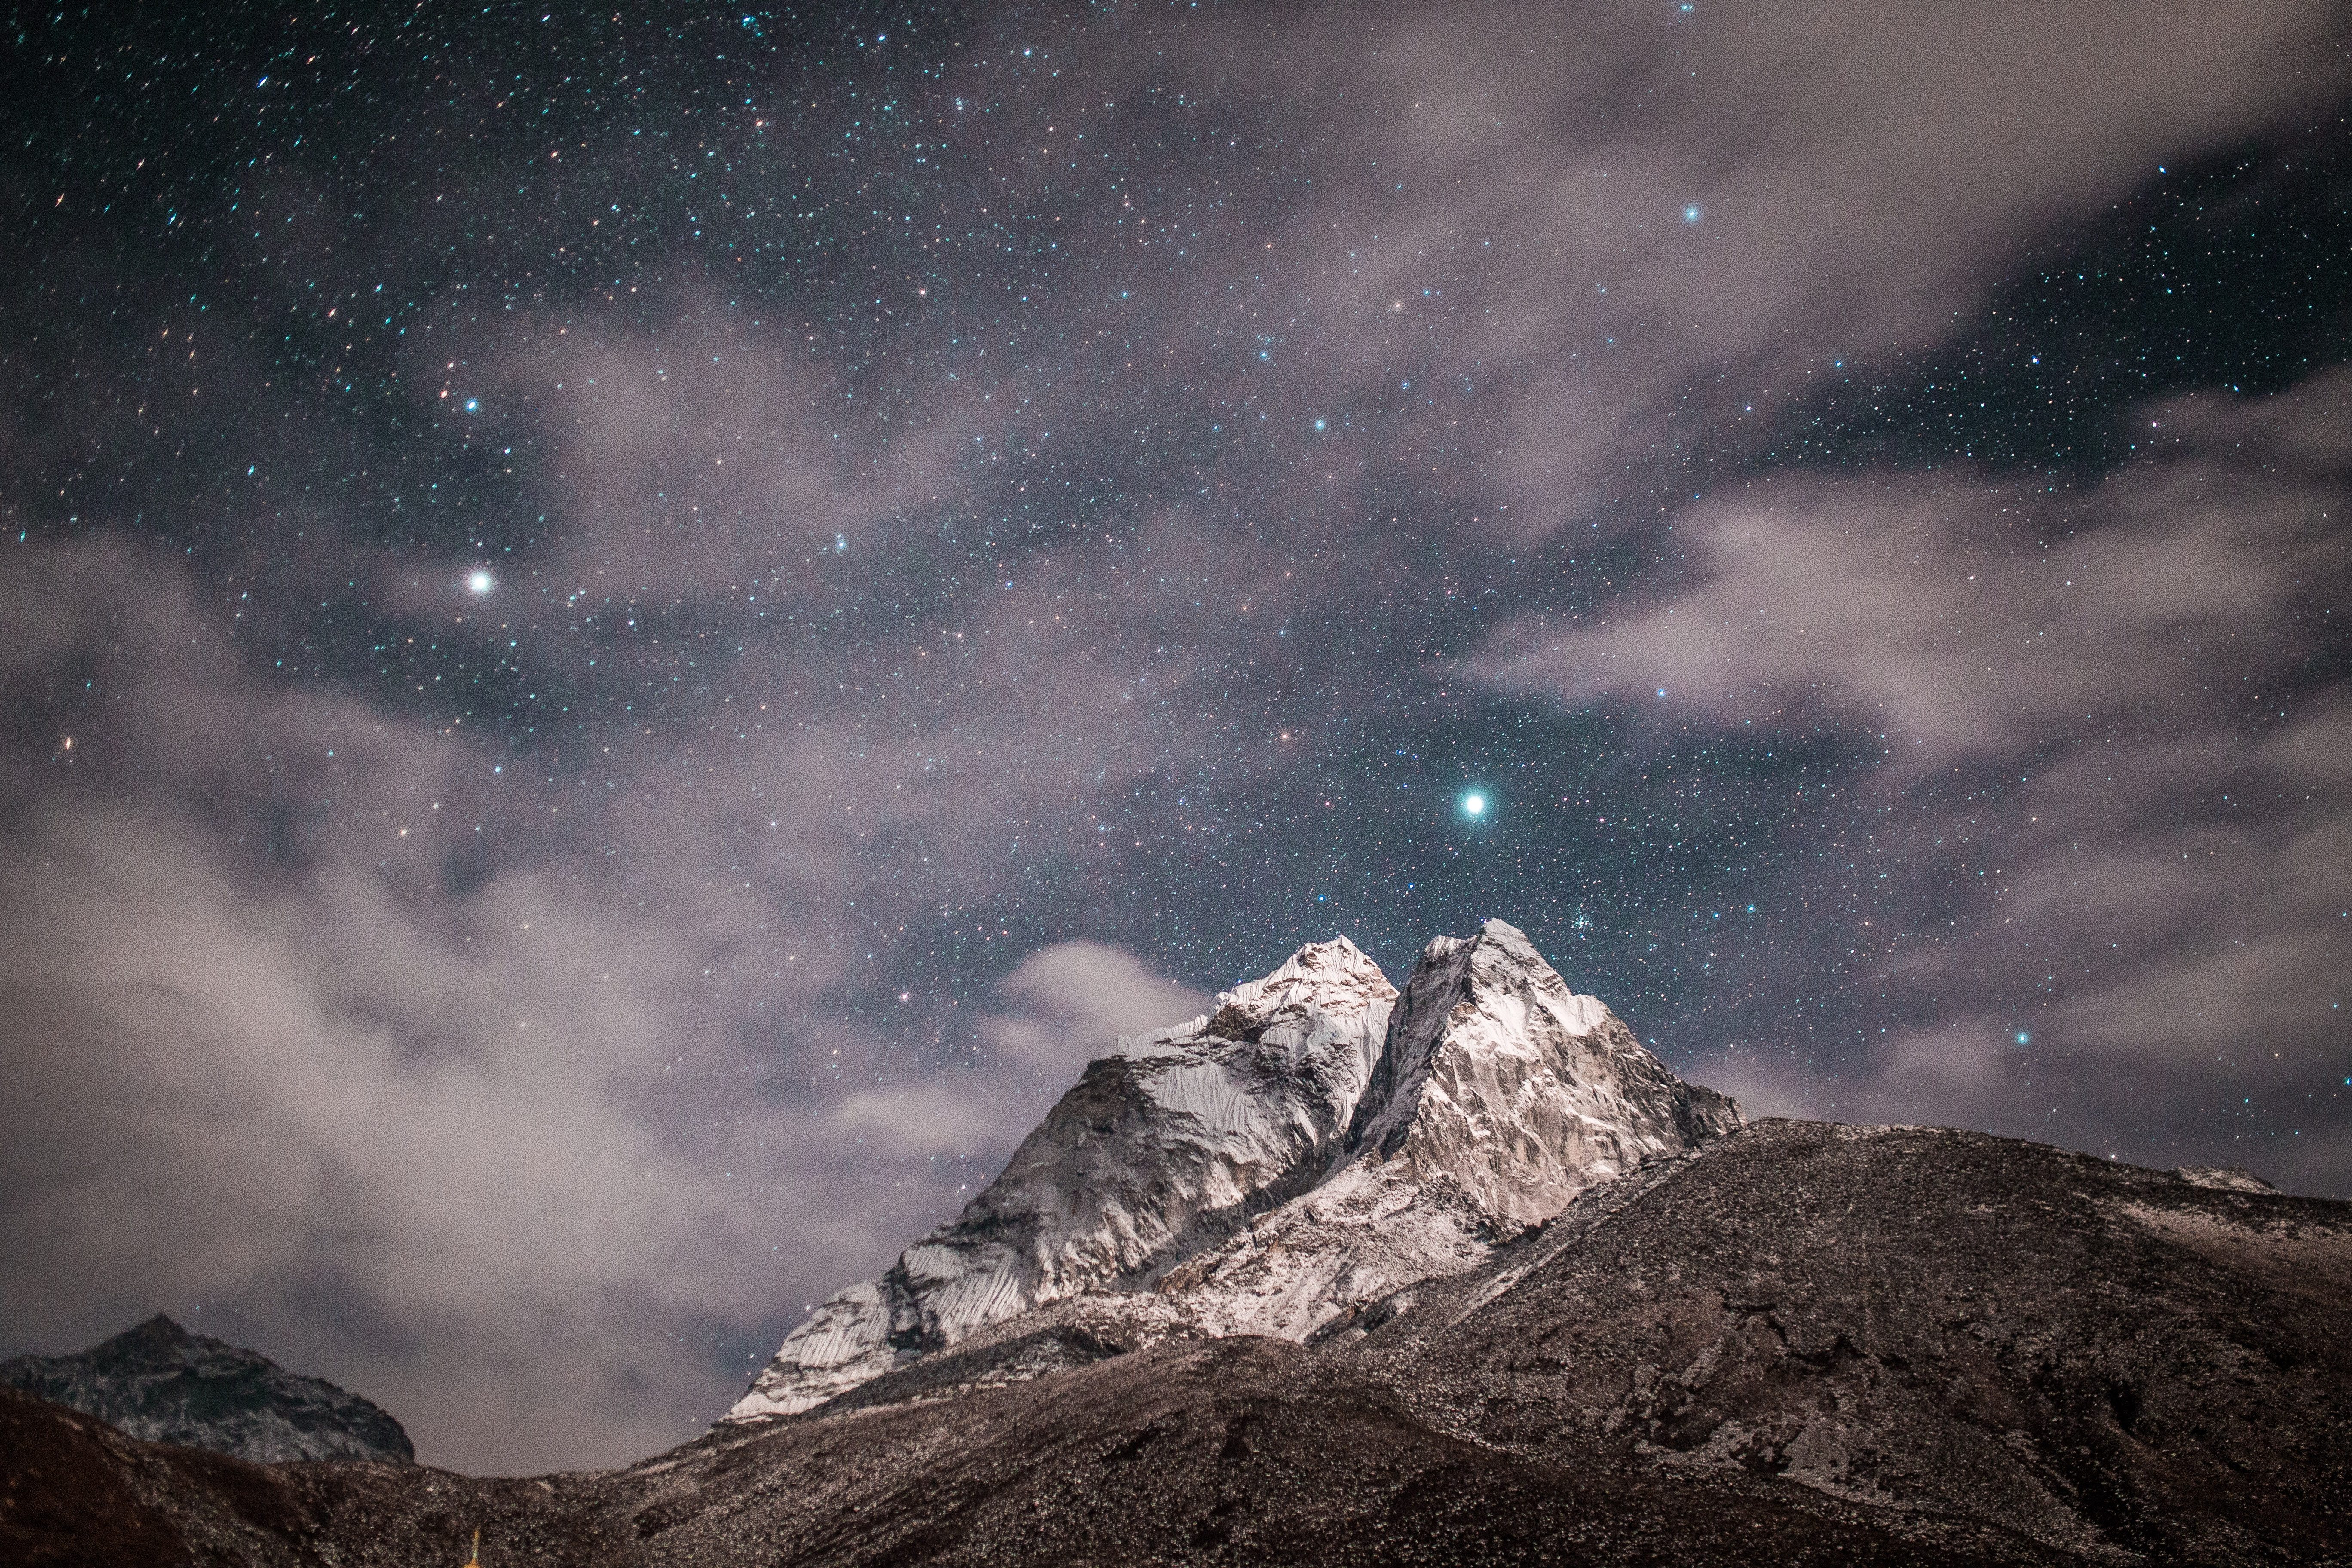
<point x="628" y="636"/>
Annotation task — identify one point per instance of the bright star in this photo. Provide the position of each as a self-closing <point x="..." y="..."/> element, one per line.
<point x="1474" y="806"/>
<point x="1690" y="215"/>
<point x="2023" y="1036"/>
<point x="481" y="581"/>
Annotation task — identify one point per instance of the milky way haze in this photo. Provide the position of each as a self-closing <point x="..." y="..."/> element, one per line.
<point x="627" y="640"/>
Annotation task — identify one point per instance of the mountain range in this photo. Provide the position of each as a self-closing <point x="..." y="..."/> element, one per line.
<point x="1336" y="1273"/>
<point x="1312" y="1143"/>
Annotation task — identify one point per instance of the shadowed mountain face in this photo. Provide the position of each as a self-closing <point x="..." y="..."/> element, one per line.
<point x="164" y="1384"/>
<point x="1802" y="1343"/>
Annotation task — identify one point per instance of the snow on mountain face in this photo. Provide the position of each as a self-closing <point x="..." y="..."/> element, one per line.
<point x="1170" y="1143"/>
<point x="1505" y="1086"/>
<point x="1311" y="1146"/>
<point x="1500" y="1096"/>
<point x="159" y="1383"/>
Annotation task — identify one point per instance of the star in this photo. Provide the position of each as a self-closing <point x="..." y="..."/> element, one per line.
<point x="1474" y="805"/>
<point x="479" y="580"/>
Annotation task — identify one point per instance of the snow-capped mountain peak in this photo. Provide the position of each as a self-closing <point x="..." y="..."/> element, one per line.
<point x="1500" y="1095"/>
<point x="1501" y="1082"/>
<point x="1164" y="1145"/>
<point x="1311" y="1144"/>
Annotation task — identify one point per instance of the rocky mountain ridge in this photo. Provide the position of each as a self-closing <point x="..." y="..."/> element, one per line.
<point x="1337" y="1275"/>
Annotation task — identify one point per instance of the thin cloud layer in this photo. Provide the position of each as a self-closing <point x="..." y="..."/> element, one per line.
<point x="1075" y="997"/>
<point x="1550" y="262"/>
<point x="338" y="1013"/>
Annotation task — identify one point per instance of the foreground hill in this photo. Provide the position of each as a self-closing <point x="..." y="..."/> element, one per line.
<point x="1802" y="1344"/>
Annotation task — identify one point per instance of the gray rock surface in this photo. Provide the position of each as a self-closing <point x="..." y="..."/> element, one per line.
<point x="161" y="1383"/>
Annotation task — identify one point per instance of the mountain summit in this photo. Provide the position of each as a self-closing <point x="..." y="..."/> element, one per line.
<point x="1311" y="1144"/>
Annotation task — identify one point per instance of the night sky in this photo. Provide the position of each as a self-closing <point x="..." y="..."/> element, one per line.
<point x="625" y="638"/>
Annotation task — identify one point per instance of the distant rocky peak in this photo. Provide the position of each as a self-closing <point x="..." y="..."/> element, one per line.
<point x="159" y="1382"/>
<point x="161" y="1344"/>
<point x="1500" y="1085"/>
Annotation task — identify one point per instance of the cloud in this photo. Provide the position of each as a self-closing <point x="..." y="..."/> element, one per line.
<point x="515" y="1104"/>
<point x="1541" y="262"/>
<point x="2094" y="878"/>
<point x="716" y="455"/>
<point x="1076" y="998"/>
<point x="208" y="1108"/>
<point x="501" y="1100"/>
<point x="1960" y="617"/>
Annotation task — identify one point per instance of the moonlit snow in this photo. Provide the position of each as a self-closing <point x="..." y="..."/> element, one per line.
<point x="1312" y="1143"/>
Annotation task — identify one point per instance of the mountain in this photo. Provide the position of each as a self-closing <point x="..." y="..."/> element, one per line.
<point x="1500" y="1095"/>
<point x="1334" y="1275"/>
<point x="162" y="1384"/>
<point x="1310" y="1143"/>
<point x="1170" y="1142"/>
<point x="1802" y="1344"/>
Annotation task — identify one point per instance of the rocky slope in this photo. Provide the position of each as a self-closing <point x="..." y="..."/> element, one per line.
<point x="161" y="1383"/>
<point x="1308" y="1145"/>
<point x="1802" y="1344"/>
<point x="1955" y="1332"/>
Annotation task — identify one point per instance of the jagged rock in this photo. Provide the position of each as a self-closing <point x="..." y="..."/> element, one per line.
<point x="159" y="1383"/>
<point x="1500" y="1094"/>
<point x="1166" y="1145"/>
<point x="1499" y="1083"/>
